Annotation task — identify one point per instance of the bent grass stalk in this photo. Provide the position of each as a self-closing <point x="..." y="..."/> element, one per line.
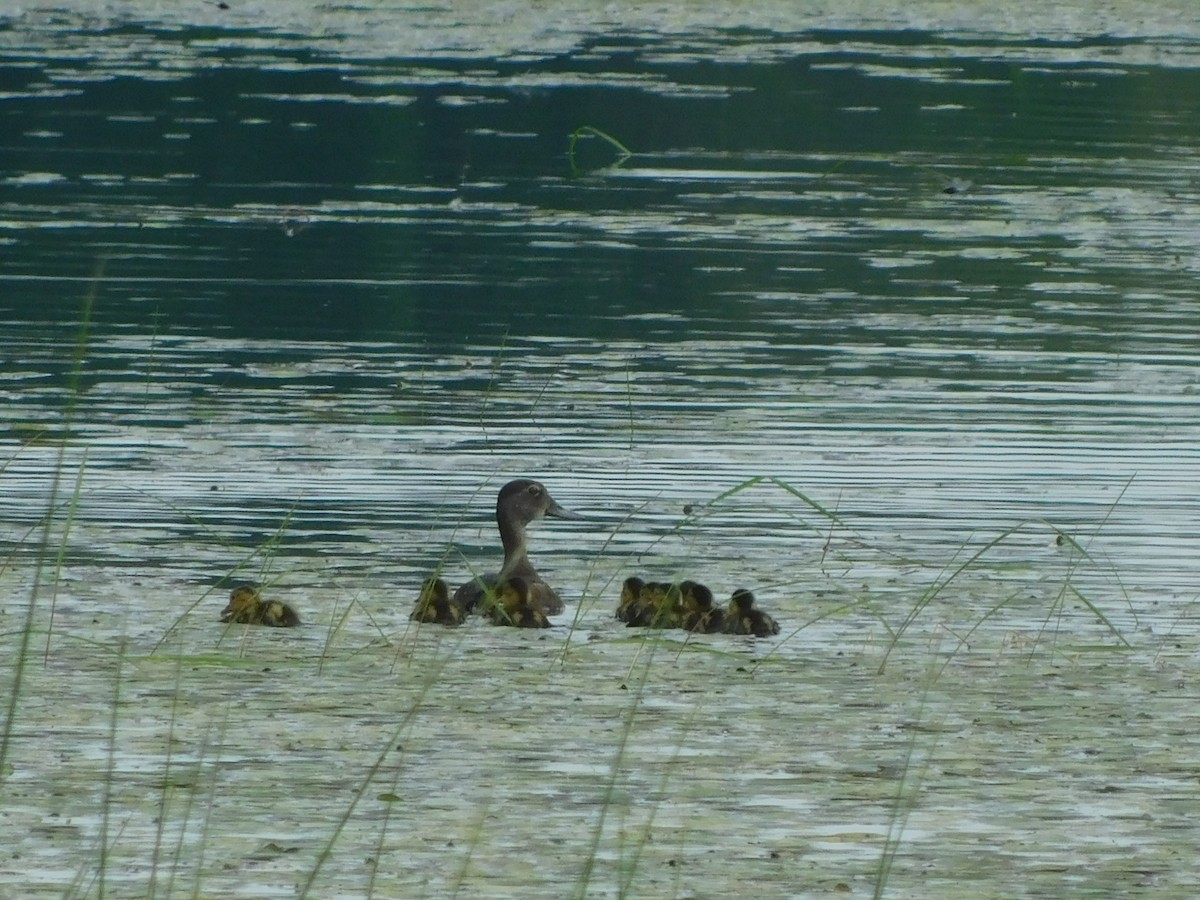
<point x="940" y="584"/>
<point x="584" y="131"/>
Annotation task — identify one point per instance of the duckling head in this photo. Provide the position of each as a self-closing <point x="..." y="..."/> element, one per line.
<point x="434" y="590"/>
<point x="631" y="589"/>
<point x="742" y="600"/>
<point x="513" y="594"/>
<point x="242" y="597"/>
<point x="696" y="594"/>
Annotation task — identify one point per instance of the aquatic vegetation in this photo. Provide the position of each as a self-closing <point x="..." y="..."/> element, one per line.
<point x="586" y="131"/>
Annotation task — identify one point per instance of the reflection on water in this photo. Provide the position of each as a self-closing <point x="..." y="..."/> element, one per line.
<point x="928" y="279"/>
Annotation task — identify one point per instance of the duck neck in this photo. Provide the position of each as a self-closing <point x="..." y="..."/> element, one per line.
<point x="516" y="554"/>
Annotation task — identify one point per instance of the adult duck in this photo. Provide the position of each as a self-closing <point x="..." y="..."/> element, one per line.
<point x="519" y="504"/>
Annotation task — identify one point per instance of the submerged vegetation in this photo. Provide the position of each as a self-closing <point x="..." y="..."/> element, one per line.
<point x="819" y="759"/>
<point x="789" y="352"/>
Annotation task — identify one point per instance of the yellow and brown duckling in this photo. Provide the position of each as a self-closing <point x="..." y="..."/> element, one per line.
<point x="631" y="591"/>
<point x="511" y="604"/>
<point x="743" y="618"/>
<point x="518" y="505"/>
<point x="649" y="604"/>
<point x="247" y="607"/>
<point x="697" y="612"/>
<point x="435" y="605"/>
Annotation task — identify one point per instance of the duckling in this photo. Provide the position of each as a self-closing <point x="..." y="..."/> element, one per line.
<point x="518" y="504"/>
<point x="697" y="610"/>
<point x="247" y="607"/>
<point x="511" y="605"/>
<point x="656" y="604"/>
<point x="743" y="618"/>
<point x="631" y="590"/>
<point x="434" y="605"/>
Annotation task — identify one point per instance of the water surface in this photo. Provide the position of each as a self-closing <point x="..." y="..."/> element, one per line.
<point x="290" y="296"/>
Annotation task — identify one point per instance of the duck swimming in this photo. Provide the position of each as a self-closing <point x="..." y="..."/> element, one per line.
<point x="652" y="604"/>
<point x="247" y="607"/>
<point x="743" y="618"/>
<point x="519" y="504"/>
<point x="510" y="605"/>
<point x="631" y="591"/>
<point x="697" y="612"/>
<point x="434" y="605"/>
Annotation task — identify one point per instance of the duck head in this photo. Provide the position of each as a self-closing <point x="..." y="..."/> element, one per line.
<point x="525" y="500"/>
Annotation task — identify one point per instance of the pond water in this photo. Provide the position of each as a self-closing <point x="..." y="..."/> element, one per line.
<point x="888" y="314"/>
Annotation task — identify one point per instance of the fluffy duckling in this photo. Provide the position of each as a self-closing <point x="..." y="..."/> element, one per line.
<point x="247" y="607"/>
<point x="511" y="604"/>
<point x="697" y="612"/>
<point x="631" y="592"/>
<point x="743" y="618"/>
<point x="649" y="604"/>
<point x="434" y="605"/>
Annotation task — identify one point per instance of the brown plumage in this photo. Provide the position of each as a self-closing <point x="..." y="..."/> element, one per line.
<point x="697" y="612"/>
<point x="510" y="604"/>
<point x="519" y="504"/>
<point x="743" y="618"/>
<point x="247" y="607"/>
<point x="649" y="604"/>
<point x="435" y="606"/>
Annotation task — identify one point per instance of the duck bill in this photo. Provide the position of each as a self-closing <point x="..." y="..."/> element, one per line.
<point x="560" y="513"/>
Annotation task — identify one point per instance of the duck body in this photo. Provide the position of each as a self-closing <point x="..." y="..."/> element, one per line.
<point x="519" y="503"/>
<point x="247" y="607"/>
<point x="434" y="605"/>
<point x="510" y="604"/>
<point x="742" y="617"/>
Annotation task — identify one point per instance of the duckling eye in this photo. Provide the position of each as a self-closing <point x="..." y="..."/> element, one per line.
<point x="534" y="491"/>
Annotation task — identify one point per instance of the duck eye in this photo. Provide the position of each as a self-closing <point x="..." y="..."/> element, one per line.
<point x="534" y="490"/>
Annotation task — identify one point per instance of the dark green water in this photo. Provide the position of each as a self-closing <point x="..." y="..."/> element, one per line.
<point x="307" y="249"/>
<point x="341" y="279"/>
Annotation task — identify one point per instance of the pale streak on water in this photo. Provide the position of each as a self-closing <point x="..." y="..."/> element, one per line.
<point x="930" y="429"/>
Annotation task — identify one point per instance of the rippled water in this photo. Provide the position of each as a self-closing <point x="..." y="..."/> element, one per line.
<point x="872" y="291"/>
